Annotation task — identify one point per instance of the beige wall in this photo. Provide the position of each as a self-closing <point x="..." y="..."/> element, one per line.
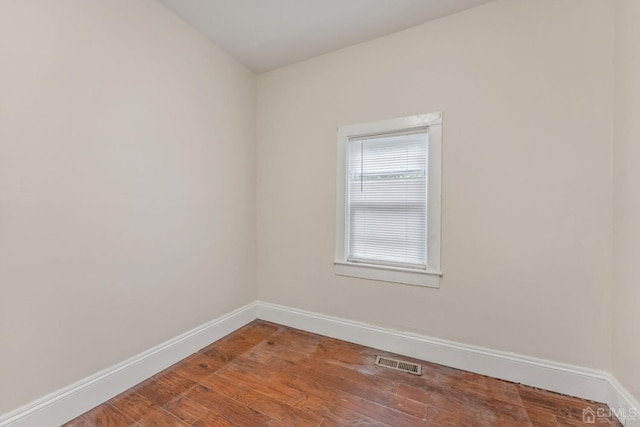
<point x="526" y="92"/>
<point x="626" y="197"/>
<point x="127" y="187"/>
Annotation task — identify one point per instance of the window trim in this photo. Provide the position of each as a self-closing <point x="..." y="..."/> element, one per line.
<point x="419" y="277"/>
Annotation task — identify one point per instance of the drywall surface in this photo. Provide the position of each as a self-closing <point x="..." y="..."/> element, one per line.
<point x="526" y="94"/>
<point x="626" y="197"/>
<point x="127" y="187"/>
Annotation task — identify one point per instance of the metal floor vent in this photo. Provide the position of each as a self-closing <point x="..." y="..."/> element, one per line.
<point x="399" y="365"/>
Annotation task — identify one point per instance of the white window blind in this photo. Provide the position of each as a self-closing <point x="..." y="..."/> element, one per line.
<point x="386" y="215"/>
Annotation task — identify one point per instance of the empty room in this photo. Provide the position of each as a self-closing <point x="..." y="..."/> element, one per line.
<point x="319" y="213"/>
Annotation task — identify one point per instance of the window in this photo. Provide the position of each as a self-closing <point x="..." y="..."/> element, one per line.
<point x="388" y="200"/>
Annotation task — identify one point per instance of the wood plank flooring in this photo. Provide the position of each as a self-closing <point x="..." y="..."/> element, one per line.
<point x="271" y="375"/>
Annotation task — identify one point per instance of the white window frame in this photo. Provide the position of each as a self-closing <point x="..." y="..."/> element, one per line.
<point x="430" y="276"/>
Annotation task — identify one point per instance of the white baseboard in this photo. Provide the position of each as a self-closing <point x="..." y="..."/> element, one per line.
<point x="553" y="376"/>
<point x="64" y="405"/>
<point x="623" y="404"/>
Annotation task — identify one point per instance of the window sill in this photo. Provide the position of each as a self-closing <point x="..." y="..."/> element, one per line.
<point x="405" y="276"/>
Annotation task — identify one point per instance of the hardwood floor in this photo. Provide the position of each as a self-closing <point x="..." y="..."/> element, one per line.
<point x="272" y="375"/>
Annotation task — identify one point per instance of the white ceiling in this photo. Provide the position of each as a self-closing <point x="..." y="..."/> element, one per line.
<point x="268" y="34"/>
